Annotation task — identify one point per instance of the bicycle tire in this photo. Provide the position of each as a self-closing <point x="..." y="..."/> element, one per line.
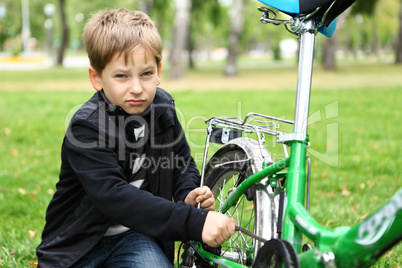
<point x="277" y="253"/>
<point x="237" y="160"/>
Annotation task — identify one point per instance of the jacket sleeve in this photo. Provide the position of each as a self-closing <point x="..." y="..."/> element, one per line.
<point x="98" y="170"/>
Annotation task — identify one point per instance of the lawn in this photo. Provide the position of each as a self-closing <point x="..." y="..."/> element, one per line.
<point x="355" y="150"/>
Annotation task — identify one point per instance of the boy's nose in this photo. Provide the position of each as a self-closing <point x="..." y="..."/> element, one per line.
<point x="135" y="88"/>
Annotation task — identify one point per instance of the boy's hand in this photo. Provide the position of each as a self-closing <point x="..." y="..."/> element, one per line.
<point x="203" y="196"/>
<point x="217" y="229"/>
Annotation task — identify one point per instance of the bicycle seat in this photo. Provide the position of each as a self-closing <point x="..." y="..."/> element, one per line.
<point x="298" y="7"/>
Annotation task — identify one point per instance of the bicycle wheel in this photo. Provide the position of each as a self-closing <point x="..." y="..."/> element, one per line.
<point x="277" y="253"/>
<point x="255" y="211"/>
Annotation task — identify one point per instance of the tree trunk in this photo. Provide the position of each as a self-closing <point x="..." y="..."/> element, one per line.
<point x="236" y="21"/>
<point x="146" y="6"/>
<point x="180" y="32"/>
<point x="331" y="44"/>
<point x="376" y="42"/>
<point x="398" y="59"/>
<point x="191" y="48"/>
<point x="329" y="51"/>
<point x="60" y="54"/>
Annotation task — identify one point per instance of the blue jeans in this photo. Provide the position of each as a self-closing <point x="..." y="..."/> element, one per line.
<point x="129" y="249"/>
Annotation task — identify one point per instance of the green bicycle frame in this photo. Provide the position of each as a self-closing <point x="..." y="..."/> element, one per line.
<point x="344" y="247"/>
<point x="359" y="246"/>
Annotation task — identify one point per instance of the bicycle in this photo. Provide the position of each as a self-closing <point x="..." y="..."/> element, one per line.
<point x="268" y="198"/>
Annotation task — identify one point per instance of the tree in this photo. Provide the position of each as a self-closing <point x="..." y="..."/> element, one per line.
<point x="236" y="26"/>
<point x="331" y="44"/>
<point x="206" y="16"/>
<point x="368" y="7"/>
<point x="63" y="44"/>
<point x="9" y="25"/>
<point x="146" y="6"/>
<point x="180" y="33"/>
<point x="398" y="59"/>
<point x="329" y="51"/>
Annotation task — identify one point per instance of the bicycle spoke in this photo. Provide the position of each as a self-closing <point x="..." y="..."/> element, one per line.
<point x="222" y="181"/>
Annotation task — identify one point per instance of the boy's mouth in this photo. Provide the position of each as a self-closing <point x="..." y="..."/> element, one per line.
<point x="135" y="102"/>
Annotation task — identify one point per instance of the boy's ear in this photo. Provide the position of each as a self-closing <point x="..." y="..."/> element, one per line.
<point x="159" y="73"/>
<point x="95" y="79"/>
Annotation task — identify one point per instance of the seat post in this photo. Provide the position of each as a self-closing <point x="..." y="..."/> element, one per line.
<point x="296" y="175"/>
<point x="305" y="72"/>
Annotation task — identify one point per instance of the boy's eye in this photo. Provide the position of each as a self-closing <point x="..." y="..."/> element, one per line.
<point x="120" y="76"/>
<point x="147" y="74"/>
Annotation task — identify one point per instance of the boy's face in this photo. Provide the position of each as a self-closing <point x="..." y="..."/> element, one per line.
<point x="131" y="86"/>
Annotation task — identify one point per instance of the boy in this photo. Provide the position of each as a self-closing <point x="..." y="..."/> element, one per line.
<point x="124" y="158"/>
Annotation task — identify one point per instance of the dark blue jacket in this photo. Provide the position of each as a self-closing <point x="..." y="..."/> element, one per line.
<point x="93" y="192"/>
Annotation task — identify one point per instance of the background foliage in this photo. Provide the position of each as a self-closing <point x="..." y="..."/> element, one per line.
<point x="371" y="27"/>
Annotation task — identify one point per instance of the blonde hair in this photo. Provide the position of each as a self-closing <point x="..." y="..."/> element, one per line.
<point x="118" y="32"/>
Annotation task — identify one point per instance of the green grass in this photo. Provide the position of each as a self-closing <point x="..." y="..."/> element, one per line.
<point x="357" y="169"/>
